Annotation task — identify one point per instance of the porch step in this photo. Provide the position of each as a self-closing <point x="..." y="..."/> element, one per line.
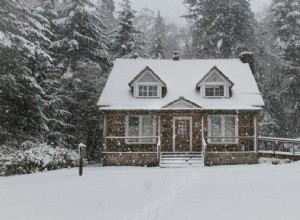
<point x="178" y="160"/>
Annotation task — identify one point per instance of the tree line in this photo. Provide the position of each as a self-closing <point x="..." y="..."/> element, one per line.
<point x="57" y="55"/>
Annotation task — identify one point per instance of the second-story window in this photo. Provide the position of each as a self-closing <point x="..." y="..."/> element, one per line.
<point x="214" y="90"/>
<point x="148" y="91"/>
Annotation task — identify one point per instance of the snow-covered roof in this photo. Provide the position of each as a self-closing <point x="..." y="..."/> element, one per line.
<point x="181" y="78"/>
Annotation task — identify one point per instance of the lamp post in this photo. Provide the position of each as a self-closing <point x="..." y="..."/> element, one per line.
<point x="82" y="154"/>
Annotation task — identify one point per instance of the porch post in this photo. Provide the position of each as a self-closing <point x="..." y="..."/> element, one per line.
<point x="159" y="138"/>
<point x="255" y="133"/>
<point x="104" y="132"/>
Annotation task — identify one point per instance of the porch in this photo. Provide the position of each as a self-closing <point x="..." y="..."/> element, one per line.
<point x="171" y="135"/>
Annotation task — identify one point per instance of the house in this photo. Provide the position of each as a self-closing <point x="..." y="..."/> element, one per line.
<point x="155" y="111"/>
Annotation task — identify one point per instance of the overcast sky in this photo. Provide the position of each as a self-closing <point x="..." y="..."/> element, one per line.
<point x="173" y="9"/>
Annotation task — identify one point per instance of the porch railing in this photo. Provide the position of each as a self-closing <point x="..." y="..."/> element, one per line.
<point x="158" y="145"/>
<point x="280" y="146"/>
<point x="243" y="143"/>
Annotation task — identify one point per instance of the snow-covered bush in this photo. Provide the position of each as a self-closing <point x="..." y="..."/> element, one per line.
<point x="39" y="158"/>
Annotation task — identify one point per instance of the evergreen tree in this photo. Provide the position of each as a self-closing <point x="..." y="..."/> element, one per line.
<point x="278" y="71"/>
<point x="221" y="29"/>
<point x="108" y="9"/>
<point x="83" y="51"/>
<point x="82" y="34"/>
<point x="127" y="40"/>
<point x="23" y="33"/>
<point x="287" y="40"/>
<point x="158" y="49"/>
<point x="287" y="22"/>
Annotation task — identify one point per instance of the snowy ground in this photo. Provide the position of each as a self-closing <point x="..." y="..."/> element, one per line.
<point x="128" y="193"/>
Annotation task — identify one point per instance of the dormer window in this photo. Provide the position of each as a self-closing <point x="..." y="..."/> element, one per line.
<point x="147" y="90"/>
<point x="148" y="85"/>
<point x="215" y="84"/>
<point x="214" y="90"/>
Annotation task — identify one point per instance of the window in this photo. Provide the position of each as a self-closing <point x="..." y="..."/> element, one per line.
<point x="214" y="90"/>
<point x="141" y="126"/>
<point x="183" y="128"/>
<point x="222" y="129"/>
<point x="147" y="91"/>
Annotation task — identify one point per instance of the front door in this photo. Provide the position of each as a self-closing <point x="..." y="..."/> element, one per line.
<point x="182" y="134"/>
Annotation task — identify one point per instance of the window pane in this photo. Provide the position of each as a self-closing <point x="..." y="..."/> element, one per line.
<point x="219" y="90"/>
<point x="142" y="90"/>
<point x="147" y="128"/>
<point x="133" y="128"/>
<point x="216" y="128"/>
<point x="209" y="91"/>
<point x="230" y="128"/>
<point x="152" y="90"/>
<point x="183" y="131"/>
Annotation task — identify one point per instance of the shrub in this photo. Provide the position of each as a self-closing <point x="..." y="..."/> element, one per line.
<point x="38" y="158"/>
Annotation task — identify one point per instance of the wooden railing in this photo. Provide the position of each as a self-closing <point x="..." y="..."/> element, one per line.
<point x="158" y="145"/>
<point x="244" y="143"/>
<point x="280" y="146"/>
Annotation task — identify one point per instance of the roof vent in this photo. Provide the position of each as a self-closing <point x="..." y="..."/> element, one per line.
<point x="175" y="55"/>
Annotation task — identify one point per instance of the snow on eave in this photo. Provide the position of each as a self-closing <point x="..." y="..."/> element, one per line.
<point x="220" y="108"/>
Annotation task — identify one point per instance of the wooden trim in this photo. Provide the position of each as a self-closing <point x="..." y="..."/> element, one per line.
<point x="218" y="72"/>
<point x="142" y="73"/>
<point x="104" y="132"/>
<point x="255" y="133"/>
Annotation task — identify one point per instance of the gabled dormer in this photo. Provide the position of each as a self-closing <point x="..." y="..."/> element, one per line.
<point x="148" y="85"/>
<point x="215" y="84"/>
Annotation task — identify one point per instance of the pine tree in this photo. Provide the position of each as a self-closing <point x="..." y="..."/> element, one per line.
<point x="287" y="22"/>
<point x="23" y="33"/>
<point x="221" y="29"/>
<point x="127" y="40"/>
<point x="28" y="63"/>
<point x="158" y="49"/>
<point x="82" y="34"/>
<point x="278" y="72"/>
<point x="82" y="49"/>
<point x="287" y="40"/>
<point x="108" y="9"/>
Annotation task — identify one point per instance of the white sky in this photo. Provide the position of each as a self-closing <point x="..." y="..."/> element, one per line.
<point x="173" y="9"/>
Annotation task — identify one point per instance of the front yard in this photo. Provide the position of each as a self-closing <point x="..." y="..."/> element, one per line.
<point x="137" y="193"/>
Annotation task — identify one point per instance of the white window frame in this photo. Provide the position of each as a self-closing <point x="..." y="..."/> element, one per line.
<point x="140" y="140"/>
<point x="138" y="84"/>
<point x="223" y="137"/>
<point x="215" y="84"/>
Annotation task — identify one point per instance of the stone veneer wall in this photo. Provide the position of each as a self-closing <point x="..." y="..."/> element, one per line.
<point x="230" y="158"/>
<point x="130" y="159"/>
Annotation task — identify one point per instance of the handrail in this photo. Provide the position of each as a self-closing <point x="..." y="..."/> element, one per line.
<point x="132" y="137"/>
<point x="158" y="147"/>
<point x="204" y="145"/>
<point x="279" y="139"/>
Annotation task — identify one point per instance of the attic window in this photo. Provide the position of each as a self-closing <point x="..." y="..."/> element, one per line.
<point x="147" y="90"/>
<point x="214" y="90"/>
